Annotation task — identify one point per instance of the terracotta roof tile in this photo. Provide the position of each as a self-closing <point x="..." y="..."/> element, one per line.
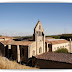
<point x="23" y="42"/>
<point x="12" y="42"/>
<point x="57" y="41"/>
<point x="7" y="42"/>
<point x="61" y="57"/>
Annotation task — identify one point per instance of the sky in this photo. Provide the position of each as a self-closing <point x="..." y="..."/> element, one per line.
<point x="19" y="19"/>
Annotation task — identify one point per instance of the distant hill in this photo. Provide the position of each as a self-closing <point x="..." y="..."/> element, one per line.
<point x="20" y="38"/>
<point x="62" y="36"/>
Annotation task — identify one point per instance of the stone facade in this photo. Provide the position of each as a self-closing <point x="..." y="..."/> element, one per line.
<point x="32" y="49"/>
<point x="22" y="50"/>
<point x="39" y="37"/>
<point x="62" y="45"/>
<point x="37" y="47"/>
<point x="51" y="46"/>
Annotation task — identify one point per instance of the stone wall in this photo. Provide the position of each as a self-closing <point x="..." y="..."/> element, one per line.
<point x="31" y="49"/>
<point x="39" y="38"/>
<point x="2" y="49"/>
<point x="62" y="45"/>
<point x="23" y="53"/>
<point x="14" y="52"/>
<point x="48" y="64"/>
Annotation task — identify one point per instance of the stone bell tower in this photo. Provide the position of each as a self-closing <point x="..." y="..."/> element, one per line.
<point x="39" y="37"/>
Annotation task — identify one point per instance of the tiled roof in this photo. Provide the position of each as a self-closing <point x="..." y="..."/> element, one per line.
<point x="7" y="42"/>
<point x="56" y="41"/>
<point x="61" y="57"/>
<point x="12" y="42"/>
<point x="23" y="42"/>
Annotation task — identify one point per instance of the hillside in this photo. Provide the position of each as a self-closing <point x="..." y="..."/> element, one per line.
<point x="62" y="36"/>
<point x="7" y="64"/>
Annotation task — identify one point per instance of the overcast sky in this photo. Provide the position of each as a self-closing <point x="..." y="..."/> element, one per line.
<point x="19" y="19"/>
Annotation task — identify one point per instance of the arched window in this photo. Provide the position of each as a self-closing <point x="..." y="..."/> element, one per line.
<point x="33" y="53"/>
<point x="39" y="27"/>
<point x="39" y="33"/>
<point x="40" y="50"/>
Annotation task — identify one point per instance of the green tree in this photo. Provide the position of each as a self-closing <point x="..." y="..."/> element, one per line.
<point x="62" y="50"/>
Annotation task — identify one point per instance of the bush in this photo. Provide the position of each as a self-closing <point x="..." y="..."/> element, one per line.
<point x="62" y="50"/>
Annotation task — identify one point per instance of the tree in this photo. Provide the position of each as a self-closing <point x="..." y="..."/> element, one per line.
<point x="62" y="50"/>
